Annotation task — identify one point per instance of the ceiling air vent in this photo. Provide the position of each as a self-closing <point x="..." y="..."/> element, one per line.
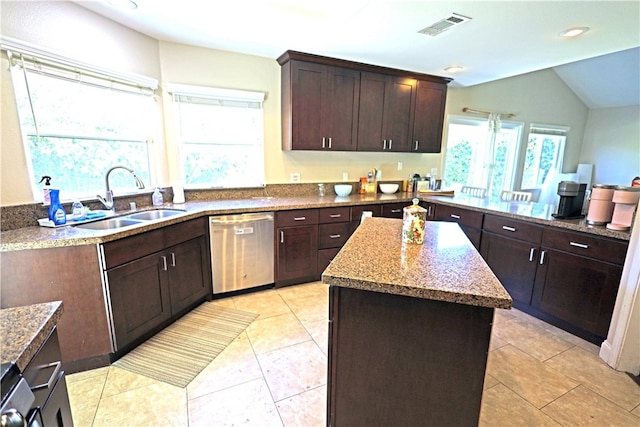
<point x="444" y="24"/>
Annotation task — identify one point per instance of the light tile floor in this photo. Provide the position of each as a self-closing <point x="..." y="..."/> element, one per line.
<point x="274" y="374"/>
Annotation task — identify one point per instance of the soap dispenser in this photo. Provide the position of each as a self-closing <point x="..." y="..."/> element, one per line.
<point x="57" y="213"/>
<point x="156" y="198"/>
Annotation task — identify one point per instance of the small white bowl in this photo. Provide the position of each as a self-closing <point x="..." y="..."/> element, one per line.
<point x="343" y="189"/>
<point x="389" y="188"/>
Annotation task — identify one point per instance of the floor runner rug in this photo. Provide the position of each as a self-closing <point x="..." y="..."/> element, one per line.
<point x="178" y="353"/>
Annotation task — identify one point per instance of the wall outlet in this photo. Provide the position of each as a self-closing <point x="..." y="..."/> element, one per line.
<point x="345" y="176"/>
<point x="295" y="177"/>
<point x="399" y="166"/>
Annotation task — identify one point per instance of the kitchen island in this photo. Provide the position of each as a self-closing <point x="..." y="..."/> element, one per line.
<point x="409" y="327"/>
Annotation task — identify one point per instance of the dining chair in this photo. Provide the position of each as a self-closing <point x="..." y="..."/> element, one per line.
<point x="519" y="196"/>
<point x="474" y="191"/>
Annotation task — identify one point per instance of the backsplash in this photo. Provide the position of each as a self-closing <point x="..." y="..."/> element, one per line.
<point x="20" y="216"/>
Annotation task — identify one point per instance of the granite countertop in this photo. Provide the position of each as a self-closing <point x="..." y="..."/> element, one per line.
<point x="25" y="329"/>
<point x="42" y="237"/>
<point x="539" y="213"/>
<point x="445" y="268"/>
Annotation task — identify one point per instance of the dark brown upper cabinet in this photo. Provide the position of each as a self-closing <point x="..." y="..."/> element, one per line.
<point x="332" y="104"/>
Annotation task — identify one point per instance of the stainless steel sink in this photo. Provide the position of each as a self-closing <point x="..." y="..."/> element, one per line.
<point x="153" y="215"/>
<point x="110" y="224"/>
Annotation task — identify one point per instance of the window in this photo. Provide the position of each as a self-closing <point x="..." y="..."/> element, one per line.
<point x="545" y="151"/>
<point x="221" y="136"/>
<point x="480" y="155"/>
<point x="77" y="123"/>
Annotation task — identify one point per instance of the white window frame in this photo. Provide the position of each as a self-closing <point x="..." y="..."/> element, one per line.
<point x="215" y="95"/>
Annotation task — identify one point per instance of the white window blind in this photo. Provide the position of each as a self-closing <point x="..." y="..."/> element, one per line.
<point x="221" y="136"/>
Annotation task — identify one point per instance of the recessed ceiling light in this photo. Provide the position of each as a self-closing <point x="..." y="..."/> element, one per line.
<point x="454" y="69"/>
<point x="123" y="4"/>
<point x="574" y="32"/>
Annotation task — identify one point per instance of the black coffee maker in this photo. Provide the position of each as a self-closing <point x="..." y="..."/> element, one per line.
<point x="571" y="200"/>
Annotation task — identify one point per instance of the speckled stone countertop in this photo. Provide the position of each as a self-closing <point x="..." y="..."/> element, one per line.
<point x="41" y="237"/>
<point x="445" y="268"/>
<point x="24" y="330"/>
<point x="539" y="213"/>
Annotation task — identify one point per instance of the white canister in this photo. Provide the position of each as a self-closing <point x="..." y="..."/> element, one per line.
<point x="413" y="219"/>
<point x="178" y="194"/>
<point x="601" y="204"/>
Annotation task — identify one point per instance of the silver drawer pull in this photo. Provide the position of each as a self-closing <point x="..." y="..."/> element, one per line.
<point x="323" y="142"/>
<point x="390" y="143"/>
<point x="173" y="259"/>
<point x="300" y="218"/>
<point x="164" y="263"/>
<point x="52" y="379"/>
<point x="532" y="254"/>
<point x="384" y="144"/>
<point x="335" y="215"/>
<point x="281" y="236"/>
<point x="455" y="216"/>
<point x="579" y="245"/>
<point x="416" y="149"/>
<point x="542" y="254"/>
<point x="504" y="227"/>
<point x="335" y="236"/>
<point x="396" y="210"/>
<point x="329" y="142"/>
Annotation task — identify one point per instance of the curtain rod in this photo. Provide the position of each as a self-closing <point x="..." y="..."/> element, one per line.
<point x="471" y="110"/>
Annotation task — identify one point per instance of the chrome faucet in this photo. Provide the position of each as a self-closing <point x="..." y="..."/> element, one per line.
<point x="107" y="201"/>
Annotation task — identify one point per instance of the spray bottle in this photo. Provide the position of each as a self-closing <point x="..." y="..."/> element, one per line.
<point x="46" y="188"/>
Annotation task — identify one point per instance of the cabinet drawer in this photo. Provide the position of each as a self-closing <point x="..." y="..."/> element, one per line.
<point x="185" y="231"/>
<point x="297" y="217"/>
<point x="329" y="215"/>
<point x="599" y="248"/>
<point x="513" y="228"/>
<point x="44" y="369"/>
<point x="393" y="210"/>
<point x="356" y="211"/>
<point x="333" y="235"/>
<point x="124" y="250"/>
<point x="461" y="216"/>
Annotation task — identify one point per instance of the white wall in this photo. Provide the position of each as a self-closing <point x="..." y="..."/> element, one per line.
<point x="612" y="143"/>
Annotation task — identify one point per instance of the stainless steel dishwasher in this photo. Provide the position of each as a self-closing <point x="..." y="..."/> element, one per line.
<point x="241" y="251"/>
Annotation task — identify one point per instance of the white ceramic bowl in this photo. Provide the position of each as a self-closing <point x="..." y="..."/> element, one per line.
<point x="388" y="188"/>
<point x="343" y="189"/>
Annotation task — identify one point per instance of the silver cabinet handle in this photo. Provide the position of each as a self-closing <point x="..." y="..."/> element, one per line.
<point x="429" y="210"/>
<point x="504" y="227"/>
<point x="335" y="236"/>
<point x="323" y="142"/>
<point x="329" y="142"/>
<point x="384" y="144"/>
<point x="281" y="236"/>
<point x="300" y="218"/>
<point x="164" y="263"/>
<point x="579" y="245"/>
<point x="390" y="143"/>
<point x="455" y="216"/>
<point x="542" y="254"/>
<point x="396" y="210"/>
<point x="335" y="216"/>
<point x="532" y="254"/>
<point x="52" y="378"/>
<point x="173" y="259"/>
<point x="416" y="147"/>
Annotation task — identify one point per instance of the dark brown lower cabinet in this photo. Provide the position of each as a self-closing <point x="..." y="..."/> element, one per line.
<point x="297" y="254"/>
<point x="402" y="361"/>
<point x="577" y="290"/>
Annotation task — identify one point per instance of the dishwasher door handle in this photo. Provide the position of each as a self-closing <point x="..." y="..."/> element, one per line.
<point x="241" y="220"/>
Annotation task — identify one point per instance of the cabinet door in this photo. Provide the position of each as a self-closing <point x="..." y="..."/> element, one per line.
<point x="514" y="263"/>
<point x="340" y="109"/>
<point x="428" y="117"/>
<point x="297" y="254"/>
<point x="189" y="277"/>
<point x="139" y="293"/>
<point x="307" y="84"/>
<point x="325" y="256"/>
<point x="577" y="290"/>
<point x="385" y="112"/>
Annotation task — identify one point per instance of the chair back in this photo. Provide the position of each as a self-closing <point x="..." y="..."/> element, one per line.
<point x="474" y="191"/>
<point x="516" y="196"/>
